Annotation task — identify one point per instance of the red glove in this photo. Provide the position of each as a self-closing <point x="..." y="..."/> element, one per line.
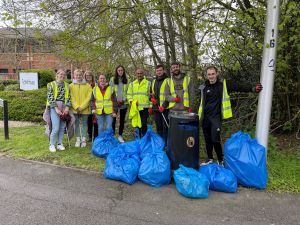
<point x="161" y="109"/>
<point x="154" y="101"/>
<point x="258" y="87"/>
<point x="94" y="119"/>
<point x="119" y="103"/>
<point x="177" y="99"/>
<point x="189" y="110"/>
<point x="150" y="111"/>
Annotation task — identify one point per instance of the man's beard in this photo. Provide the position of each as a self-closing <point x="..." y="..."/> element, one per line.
<point x="176" y="72"/>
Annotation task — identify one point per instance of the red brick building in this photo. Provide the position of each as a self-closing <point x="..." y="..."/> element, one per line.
<point x="24" y="48"/>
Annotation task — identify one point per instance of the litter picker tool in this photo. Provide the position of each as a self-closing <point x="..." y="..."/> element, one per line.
<point x="165" y="119"/>
<point x="93" y="127"/>
<point x="67" y="134"/>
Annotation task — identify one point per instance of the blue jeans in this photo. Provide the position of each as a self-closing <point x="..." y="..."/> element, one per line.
<point x="104" y="122"/>
<point x="83" y="132"/>
<point x="58" y="128"/>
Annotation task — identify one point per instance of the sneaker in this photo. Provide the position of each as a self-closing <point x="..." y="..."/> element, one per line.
<point x="52" y="148"/>
<point x="208" y="161"/>
<point x="60" y="147"/>
<point x="221" y="163"/>
<point x="83" y="144"/>
<point x="77" y="144"/>
<point x="120" y="139"/>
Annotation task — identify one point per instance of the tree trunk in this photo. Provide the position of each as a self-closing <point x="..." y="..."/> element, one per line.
<point x="165" y="39"/>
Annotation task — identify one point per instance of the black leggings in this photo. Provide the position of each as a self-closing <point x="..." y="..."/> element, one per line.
<point x="211" y="130"/>
<point x="91" y="128"/>
<point x="122" y="121"/>
<point x="144" y="119"/>
<point x="161" y="126"/>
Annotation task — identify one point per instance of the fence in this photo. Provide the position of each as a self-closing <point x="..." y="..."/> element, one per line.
<point x="9" y="76"/>
<point x="3" y="103"/>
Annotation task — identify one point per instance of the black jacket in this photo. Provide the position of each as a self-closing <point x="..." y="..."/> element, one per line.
<point x="212" y="96"/>
<point x="156" y="91"/>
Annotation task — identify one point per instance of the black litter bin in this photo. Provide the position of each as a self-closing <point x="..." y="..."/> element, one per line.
<point x="183" y="140"/>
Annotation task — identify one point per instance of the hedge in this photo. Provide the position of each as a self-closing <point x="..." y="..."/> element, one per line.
<point x="45" y="76"/>
<point x="25" y="105"/>
<point x="8" y="82"/>
<point x="12" y="87"/>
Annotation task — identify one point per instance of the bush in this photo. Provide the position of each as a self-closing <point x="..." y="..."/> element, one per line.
<point x="45" y="76"/>
<point x="2" y="87"/>
<point x="25" y="105"/>
<point x="8" y="82"/>
<point x="12" y="87"/>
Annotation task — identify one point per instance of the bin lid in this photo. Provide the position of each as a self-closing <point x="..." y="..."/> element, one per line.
<point x="183" y="115"/>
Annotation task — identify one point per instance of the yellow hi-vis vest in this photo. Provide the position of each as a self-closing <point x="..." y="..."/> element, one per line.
<point x="140" y="92"/>
<point x="53" y="84"/>
<point x="226" y="105"/>
<point x="134" y="115"/>
<point x="162" y="96"/>
<point x="186" y="81"/>
<point x="103" y="102"/>
<point x="115" y="88"/>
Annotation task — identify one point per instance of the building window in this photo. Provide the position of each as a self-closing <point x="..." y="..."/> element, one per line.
<point x="3" y="71"/>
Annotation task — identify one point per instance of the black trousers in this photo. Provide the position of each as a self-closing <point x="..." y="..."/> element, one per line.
<point x="122" y="121"/>
<point x="212" y="130"/>
<point x="90" y="127"/>
<point x="161" y="126"/>
<point x="144" y="118"/>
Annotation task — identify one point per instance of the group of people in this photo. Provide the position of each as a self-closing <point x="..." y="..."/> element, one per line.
<point x="96" y="105"/>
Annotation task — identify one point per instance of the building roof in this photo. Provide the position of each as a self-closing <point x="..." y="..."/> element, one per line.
<point x="25" y="32"/>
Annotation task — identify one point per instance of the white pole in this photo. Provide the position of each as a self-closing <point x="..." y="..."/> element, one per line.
<point x="267" y="73"/>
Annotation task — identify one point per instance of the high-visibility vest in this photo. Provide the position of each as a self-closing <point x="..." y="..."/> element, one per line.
<point x="115" y="88"/>
<point x="186" y="81"/>
<point x="162" y="96"/>
<point x="226" y="105"/>
<point x="103" y="102"/>
<point x="140" y="92"/>
<point x="54" y="86"/>
<point x="134" y="115"/>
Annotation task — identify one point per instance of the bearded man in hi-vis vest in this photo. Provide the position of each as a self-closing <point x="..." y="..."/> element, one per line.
<point x="178" y="90"/>
<point x="214" y="106"/>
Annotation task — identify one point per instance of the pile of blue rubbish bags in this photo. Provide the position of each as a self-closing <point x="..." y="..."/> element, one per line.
<point x="146" y="160"/>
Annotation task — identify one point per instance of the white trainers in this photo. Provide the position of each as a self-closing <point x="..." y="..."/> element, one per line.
<point x="83" y="144"/>
<point x="221" y="163"/>
<point x="60" y="147"/>
<point x="208" y="161"/>
<point x="77" y="144"/>
<point x="120" y="139"/>
<point x="52" y="148"/>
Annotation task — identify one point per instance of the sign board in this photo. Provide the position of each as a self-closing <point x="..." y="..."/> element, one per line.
<point x="29" y="81"/>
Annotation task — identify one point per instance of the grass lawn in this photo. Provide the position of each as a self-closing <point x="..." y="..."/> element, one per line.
<point x="31" y="143"/>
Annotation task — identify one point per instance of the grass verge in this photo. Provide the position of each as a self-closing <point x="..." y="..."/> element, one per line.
<point x="31" y="143"/>
<point x="283" y="168"/>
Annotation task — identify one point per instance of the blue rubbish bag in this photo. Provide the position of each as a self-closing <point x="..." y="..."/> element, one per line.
<point x="220" y="178"/>
<point x="155" y="165"/>
<point x="155" y="169"/>
<point x="247" y="160"/>
<point x="151" y="142"/>
<point x="104" y="143"/>
<point x="123" y="163"/>
<point x="191" y="183"/>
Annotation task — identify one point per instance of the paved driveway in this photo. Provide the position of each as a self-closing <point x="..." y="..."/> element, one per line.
<point x="34" y="193"/>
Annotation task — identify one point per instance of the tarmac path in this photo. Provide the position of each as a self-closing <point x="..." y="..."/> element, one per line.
<point x="35" y="193"/>
<point x="12" y="123"/>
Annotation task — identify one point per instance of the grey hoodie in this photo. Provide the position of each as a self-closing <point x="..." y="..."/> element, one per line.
<point x="178" y="86"/>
